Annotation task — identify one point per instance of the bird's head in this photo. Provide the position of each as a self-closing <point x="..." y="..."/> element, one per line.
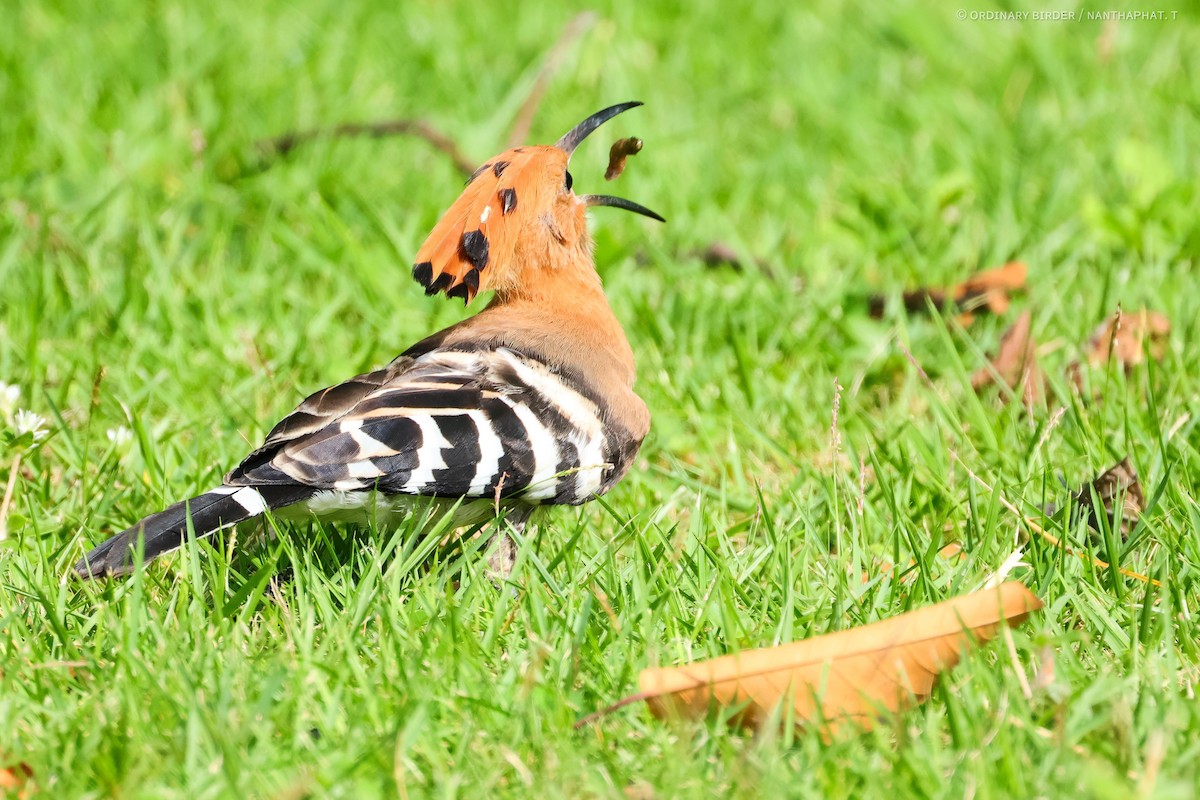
<point x="519" y="212"/>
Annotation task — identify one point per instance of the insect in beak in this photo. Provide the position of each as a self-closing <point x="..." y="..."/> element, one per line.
<point x="571" y="139"/>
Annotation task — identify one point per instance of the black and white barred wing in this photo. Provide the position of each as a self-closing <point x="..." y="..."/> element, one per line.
<point x="319" y="409"/>
<point x="448" y="424"/>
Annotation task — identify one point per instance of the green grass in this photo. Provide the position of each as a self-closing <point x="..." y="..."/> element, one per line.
<point x="152" y="279"/>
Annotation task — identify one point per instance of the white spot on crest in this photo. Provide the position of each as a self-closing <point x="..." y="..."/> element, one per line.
<point x="487" y="212"/>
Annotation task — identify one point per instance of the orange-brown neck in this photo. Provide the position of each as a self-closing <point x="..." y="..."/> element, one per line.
<point x="561" y="316"/>
<point x="563" y="309"/>
<point x="547" y="272"/>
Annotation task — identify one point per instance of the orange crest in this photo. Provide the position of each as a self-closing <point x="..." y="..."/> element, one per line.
<point x="479" y="231"/>
<point x="523" y="192"/>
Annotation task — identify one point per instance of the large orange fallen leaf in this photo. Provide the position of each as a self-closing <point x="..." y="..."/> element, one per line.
<point x="851" y="675"/>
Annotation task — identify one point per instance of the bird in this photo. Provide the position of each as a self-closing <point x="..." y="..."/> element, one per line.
<point x="527" y="404"/>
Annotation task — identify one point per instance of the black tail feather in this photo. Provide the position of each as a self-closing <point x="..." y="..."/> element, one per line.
<point x="168" y="529"/>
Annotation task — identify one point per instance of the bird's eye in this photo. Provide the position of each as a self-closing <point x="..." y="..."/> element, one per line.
<point x="569" y="181"/>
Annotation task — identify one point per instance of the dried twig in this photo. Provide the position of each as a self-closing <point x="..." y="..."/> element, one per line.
<point x="277" y="146"/>
<point x="6" y="504"/>
<point x="988" y="291"/>
<point x="282" y="145"/>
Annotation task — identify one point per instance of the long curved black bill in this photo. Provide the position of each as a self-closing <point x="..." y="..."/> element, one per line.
<point x="573" y="137"/>
<point x="619" y="202"/>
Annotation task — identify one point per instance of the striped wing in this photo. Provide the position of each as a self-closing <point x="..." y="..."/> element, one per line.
<point x="321" y="408"/>
<point x="448" y="423"/>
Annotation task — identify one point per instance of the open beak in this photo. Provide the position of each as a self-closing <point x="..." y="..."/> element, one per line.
<point x="571" y="139"/>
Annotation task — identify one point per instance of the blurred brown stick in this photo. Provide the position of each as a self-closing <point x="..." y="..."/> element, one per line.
<point x="522" y="122"/>
<point x="284" y="144"/>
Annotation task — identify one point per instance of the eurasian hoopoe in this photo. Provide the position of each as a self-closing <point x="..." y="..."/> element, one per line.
<point x="528" y="403"/>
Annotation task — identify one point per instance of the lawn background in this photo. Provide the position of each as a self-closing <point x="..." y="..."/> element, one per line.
<point x="157" y="276"/>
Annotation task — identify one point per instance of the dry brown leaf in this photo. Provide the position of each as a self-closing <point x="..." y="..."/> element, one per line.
<point x="621" y="149"/>
<point x="1049" y="537"/>
<point x="1125" y="337"/>
<point x="992" y="286"/>
<point x="986" y="291"/>
<point x="846" y="676"/>
<point x="953" y="550"/>
<point x="1128" y="337"/>
<point x="720" y="254"/>
<point x="1016" y="363"/>
<point x="14" y="780"/>
<point x="1117" y="482"/>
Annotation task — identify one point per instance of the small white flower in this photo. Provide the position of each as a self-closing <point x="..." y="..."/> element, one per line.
<point x="9" y="395"/>
<point x="28" y="422"/>
<point x="120" y="437"/>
